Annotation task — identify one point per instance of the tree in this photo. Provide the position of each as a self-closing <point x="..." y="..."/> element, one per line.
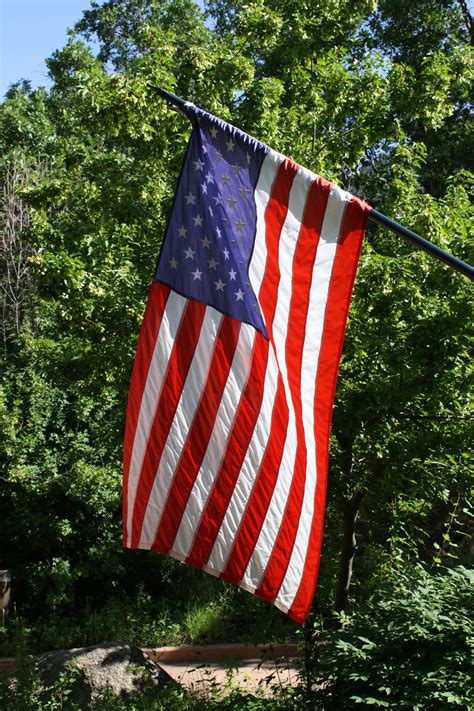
<point x="371" y="102"/>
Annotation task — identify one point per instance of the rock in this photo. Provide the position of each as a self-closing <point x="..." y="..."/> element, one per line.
<point x="123" y="668"/>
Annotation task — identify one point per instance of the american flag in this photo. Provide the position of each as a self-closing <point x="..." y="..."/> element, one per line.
<point x="232" y="390"/>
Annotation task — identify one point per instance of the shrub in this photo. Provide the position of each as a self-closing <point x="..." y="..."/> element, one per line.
<point x="408" y="648"/>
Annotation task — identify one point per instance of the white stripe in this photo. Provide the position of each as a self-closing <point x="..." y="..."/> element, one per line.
<point x="263" y="191"/>
<point x="317" y="305"/>
<point x="217" y="445"/>
<point x="151" y="394"/>
<point x="286" y="249"/>
<point x="180" y="426"/>
<point x="247" y="475"/>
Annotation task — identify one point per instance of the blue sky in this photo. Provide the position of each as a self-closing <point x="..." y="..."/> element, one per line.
<point x="30" y="32"/>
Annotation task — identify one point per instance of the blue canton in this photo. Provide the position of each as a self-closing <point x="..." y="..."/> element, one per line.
<point x="209" y="240"/>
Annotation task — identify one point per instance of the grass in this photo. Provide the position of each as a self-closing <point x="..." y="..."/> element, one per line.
<point x="222" y="615"/>
<point x="192" y="608"/>
<point x="172" y="604"/>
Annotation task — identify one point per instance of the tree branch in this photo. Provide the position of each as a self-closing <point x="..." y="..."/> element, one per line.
<point x="468" y="21"/>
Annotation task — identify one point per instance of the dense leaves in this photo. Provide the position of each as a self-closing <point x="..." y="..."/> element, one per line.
<point x="410" y="648"/>
<point x="375" y="96"/>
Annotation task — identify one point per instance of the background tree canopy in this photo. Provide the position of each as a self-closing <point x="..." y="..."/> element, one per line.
<point x="374" y="96"/>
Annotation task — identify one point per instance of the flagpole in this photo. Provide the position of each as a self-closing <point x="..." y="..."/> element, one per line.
<point x="170" y="98"/>
<point x="374" y="215"/>
<point x="422" y="243"/>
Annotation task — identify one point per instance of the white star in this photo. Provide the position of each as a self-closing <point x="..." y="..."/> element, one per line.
<point x="244" y="192"/>
<point x="236" y="168"/>
<point x="182" y="231"/>
<point x="198" y="164"/>
<point x="189" y="253"/>
<point x="190" y="199"/>
<point x="232" y="202"/>
<point x="213" y="132"/>
<point x="218" y="233"/>
<point x="219" y="155"/>
<point x="218" y="200"/>
<point x="211" y="212"/>
<point x="205" y="243"/>
<point x="212" y="263"/>
<point x="225" y="179"/>
<point x="230" y="144"/>
<point x="232" y="275"/>
<point x="198" y="221"/>
<point x="239" y="225"/>
<point x="204" y="188"/>
<point x="219" y="285"/>
<point x="226" y="254"/>
<point x="173" y="263"/>
<point x="249" y="158"/>
<point x="196" y="274"/>
<point x="240" y="295"/>
<point x="204" y="148"/>
<point x="209" y="178"/>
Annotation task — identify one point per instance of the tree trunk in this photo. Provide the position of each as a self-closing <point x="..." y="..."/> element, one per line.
<point x="348" y="549"/>
<point x="350" y="514"/>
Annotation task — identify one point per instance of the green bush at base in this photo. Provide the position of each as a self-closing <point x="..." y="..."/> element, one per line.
<point x="409" y="648"/>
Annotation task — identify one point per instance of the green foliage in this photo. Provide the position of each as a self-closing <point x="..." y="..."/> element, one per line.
<point x="27" y="693"/>
<point x="171" y="604"/>
<point x="375" y="96"/>
<point x="26" y="690"/>
<point x="409" y="647"/>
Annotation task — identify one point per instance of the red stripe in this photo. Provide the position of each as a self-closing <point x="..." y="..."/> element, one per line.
<point x="155" y="307"/>
<point x="339" y="296"/>
<point x="262" y="491"/>
<point x="199" y="434"/>
<point x="302" y="269"/>
<point x="242" y="430"/>
<point x="177" y="370"/>
<point x="275" y="216"/>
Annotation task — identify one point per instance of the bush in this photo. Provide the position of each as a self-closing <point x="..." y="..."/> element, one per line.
<point x="26" y="691"/>
<point x="408" y="648"/>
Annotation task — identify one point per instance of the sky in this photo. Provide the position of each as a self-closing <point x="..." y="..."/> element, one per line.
<point x="30" y="31"/>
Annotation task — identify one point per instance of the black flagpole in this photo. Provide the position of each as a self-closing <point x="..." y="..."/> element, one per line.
<point x="422" y="243"/>
<point x="374" y="215"/>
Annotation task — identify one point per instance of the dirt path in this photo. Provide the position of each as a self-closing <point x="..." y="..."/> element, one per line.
<point x="202" y="669"/>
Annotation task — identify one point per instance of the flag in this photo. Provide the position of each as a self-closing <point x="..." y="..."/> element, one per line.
<point x="232" y="390"/>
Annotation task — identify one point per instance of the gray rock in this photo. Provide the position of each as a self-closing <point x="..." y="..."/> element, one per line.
<point x="123" y="668"/>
